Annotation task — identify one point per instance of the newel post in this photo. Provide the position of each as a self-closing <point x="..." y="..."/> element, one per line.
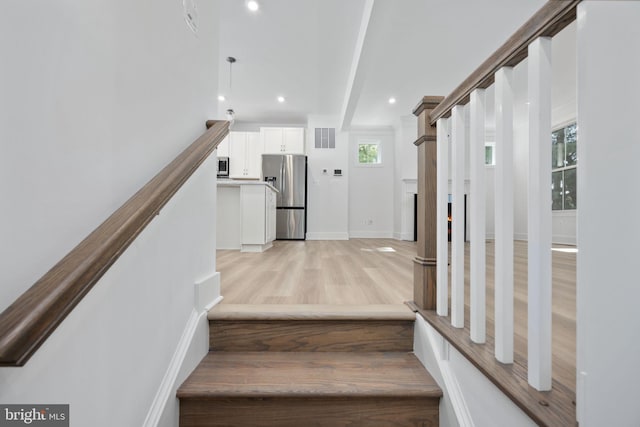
<point x="424" y="265"/>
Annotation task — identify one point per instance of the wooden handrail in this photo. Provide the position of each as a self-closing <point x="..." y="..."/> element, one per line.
<point x="29" y="321"/>
<point x="546" y="22"/>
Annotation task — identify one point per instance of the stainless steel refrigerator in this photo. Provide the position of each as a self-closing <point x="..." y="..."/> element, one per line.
<point x="288" y="174"/>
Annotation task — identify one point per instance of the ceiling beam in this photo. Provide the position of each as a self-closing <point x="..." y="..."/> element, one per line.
<point x="356" y="74"/>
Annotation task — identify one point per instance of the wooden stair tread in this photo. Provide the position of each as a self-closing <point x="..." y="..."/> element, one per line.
<point x="311" y="312"/>
<point x="309" y="374"/>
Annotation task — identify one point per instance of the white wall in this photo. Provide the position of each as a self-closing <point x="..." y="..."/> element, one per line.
<point x="96" y="97"/>
<point x="405" y="167"/>
<point x="521" y="151"/>
<point x="520" y="155"/>
<point x="371" y="187"/>
<point x="469" y="399"/>
<point x="328" y="195"/>
<point x="563" y="113"/>
<point x="120" y="340"/>
<point x="608" y="348"/>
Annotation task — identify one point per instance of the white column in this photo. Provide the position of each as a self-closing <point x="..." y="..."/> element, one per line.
<point x="539" y="214"/>
<point x="504" y="216"/>
<point x="457" y="216"/>
<point x="442" y="272"/>
<point x="608" y="281"/>
<point x="477" y="213"/>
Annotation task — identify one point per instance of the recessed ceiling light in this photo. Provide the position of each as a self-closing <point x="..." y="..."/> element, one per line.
<point x="253" y="5"/>
<point x="281" y="99"/>
<point x="392" y="100"/>
<point x="221" y="98"/>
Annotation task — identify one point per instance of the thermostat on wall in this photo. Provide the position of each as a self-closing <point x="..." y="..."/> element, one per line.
<point x="337" y="172"/>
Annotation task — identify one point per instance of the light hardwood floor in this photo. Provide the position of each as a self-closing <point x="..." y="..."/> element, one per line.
<point x="319" y="272"/>
<point x="356" y="272"/>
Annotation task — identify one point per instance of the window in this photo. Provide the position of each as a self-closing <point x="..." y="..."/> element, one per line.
<point x="490" y="154"/>
<point x="369" y="153"/>
<point x="564" y="163"/>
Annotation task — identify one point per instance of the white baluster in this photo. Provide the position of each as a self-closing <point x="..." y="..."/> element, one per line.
<point x="457" y="214"/>
<point x="442" y="271"/>
<point x="477" y="215"/>
<point x="608" y="235"/>
<point x="539" y="228"/>
<point x="504" y="215"/>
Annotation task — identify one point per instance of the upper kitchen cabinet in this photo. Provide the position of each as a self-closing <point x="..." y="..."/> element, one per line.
<point x="223" y="147"/>
<point x="283" y="140"/>
<point x="245" y="155"/>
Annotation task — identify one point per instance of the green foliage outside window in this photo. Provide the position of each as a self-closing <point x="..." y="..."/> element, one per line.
<point x="564" y="161"/>
<point x="368" y="154"/>
<point x="488" y="155"/>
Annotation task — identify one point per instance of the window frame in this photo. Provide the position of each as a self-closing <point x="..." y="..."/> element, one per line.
<point x="369" y="141"/>
<point x="491" y="144"/>
<point x="563" y="169"/>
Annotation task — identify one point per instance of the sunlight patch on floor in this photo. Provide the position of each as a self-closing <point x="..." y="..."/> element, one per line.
<point x="567" y="250"/>
<point x="384" y="249"/>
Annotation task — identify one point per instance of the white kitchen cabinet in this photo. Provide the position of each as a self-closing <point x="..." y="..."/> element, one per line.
<point x="246" y="216"/>
<point x="270" y="217"/>
<point x="293" y="140"/>
<point x="258" y="217"/>
<point x="223" y="147"/>
<point x="283" y="140"/>
<point x="245" y="155"/>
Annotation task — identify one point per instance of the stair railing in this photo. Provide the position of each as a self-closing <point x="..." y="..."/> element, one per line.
<point x="442" y="118"/>
<point x="28" y="322"/>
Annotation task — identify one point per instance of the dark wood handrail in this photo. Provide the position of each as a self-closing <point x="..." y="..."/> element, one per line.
<point x="546" y="22"/>
<point x="29" y="321"/>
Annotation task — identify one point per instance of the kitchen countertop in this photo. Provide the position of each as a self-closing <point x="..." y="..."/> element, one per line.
<point x="224" y="182"/>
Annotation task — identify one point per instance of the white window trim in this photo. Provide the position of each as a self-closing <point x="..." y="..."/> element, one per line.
<point x="493" y="153"/>
<point x="368" y="140"/>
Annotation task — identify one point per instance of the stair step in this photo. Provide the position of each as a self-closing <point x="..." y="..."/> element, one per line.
<point x="311" y="327"/>
<point x="309" y="388"/>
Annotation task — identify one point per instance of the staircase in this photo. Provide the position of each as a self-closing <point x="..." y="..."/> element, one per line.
<point x="310" y="365"/>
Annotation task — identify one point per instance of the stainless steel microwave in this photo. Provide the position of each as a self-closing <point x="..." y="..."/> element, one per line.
<point x="223" y="167"/>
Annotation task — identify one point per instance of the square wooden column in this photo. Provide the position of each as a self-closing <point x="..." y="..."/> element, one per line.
<point x="424" y="267"/>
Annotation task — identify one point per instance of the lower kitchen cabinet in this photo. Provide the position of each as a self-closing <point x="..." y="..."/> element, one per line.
<point x="246" y="216"/>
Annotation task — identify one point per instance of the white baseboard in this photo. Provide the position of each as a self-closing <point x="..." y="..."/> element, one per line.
<point x="169" y="384"/>
<point x="452" y="386"/>
<point x="469" y="397"/>
<point x="327" y="236"/>
<point x="366" y="234"/>
<point x="562" y="239"/>
<point x="207" y="291"/>
<point x="520" y="236"/>
<point x="407" y="236"/>
<point x="256" y="248"/>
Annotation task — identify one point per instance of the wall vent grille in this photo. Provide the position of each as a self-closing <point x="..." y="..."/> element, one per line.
<point x="325" y="138"/>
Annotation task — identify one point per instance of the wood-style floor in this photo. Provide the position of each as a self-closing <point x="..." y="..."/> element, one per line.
<point x="362" y="271"/>
<point x="319" y="272"/>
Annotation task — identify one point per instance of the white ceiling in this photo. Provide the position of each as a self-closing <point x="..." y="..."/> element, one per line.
<point x="307" y="51"/>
